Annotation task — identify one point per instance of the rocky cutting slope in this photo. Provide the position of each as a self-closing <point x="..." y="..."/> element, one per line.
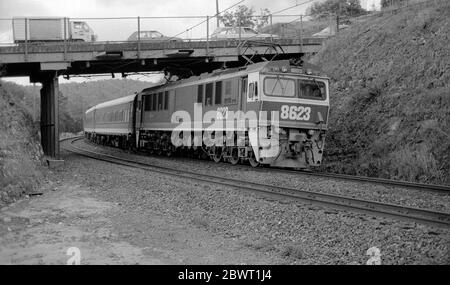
<point x="20" y="151"/>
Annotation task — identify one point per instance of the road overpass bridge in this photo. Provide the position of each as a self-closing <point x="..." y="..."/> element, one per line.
<point x="45" y="62"/>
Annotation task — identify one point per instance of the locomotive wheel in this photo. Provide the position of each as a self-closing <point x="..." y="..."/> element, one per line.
<point x="253" y="162"/>
<point x="202" y="155"/>
<point x="217" y="156"/>
<point x="234" y="158"/>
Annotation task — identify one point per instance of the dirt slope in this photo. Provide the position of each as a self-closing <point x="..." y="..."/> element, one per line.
<point x="20" y="151"/>
<point x="390" y="99"/>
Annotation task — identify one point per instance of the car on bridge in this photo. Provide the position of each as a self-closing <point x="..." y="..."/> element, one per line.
<point x="247" y="33"/>
<point x="152" y="36"/>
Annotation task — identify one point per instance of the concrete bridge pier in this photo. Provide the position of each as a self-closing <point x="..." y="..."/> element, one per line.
<point x="50" y="114"/>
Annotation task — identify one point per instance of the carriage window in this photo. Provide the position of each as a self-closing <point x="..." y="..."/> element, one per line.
<point x="283" y="87"/>
<point x="209" y="94"/>
<point x="311" y="89"/>
<point x="200" y="94"/>
<point x="218" y="97"/>
<point x="166" y="100"/>
<point x="256" y="89"/>
<point x="160" y="100"/>
<point x="147" y="103"/>
<point x="154" y="102"/>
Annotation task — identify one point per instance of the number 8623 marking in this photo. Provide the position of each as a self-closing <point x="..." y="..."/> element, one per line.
<point x="298" y="113"/>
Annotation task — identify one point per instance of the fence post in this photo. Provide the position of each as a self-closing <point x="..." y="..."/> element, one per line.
<point x="65" y="37"/>
<point x="301" y="32"/>
<point x="139" y="38"/>
<point x="26" y="39"/>
<point x="207" y="35"/>
<point x="271" y="29"/>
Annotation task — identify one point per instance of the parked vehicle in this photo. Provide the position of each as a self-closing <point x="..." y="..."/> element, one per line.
<point x="224" y="33"/>
<point x="50" y="29"/>
<point x="152" y="36"/>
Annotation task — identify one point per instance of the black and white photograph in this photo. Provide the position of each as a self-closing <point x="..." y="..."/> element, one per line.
<point x="241" y="134"/>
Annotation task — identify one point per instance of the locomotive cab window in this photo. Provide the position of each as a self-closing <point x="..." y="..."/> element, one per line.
<point x="311" y="89"/>
<point x="251" y="90"/>
<point x="209" y="94"/>
<point x="200" y="94"/>
<point x="229" y="95"/>
<point x="244" y="86"/>
<point x="218" y="95"/>
<point x="280" y="87"/>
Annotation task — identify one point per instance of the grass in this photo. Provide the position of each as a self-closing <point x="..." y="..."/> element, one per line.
<point x="389" y="96"/>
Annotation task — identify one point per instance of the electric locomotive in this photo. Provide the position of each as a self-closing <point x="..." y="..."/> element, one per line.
<point x="268" y="113"/>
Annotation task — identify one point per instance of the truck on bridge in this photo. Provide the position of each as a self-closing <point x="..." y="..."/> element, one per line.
<point x="50" y="29"/>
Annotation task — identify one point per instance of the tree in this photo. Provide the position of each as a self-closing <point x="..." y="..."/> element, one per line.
<point x="244" y="16"/>
<point x="350" y="8"/>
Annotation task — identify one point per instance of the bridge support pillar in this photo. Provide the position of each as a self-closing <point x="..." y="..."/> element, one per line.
<point x="50" y="114"/>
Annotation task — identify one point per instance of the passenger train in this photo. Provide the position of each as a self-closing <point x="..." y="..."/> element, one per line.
<point x="165" y="119"/>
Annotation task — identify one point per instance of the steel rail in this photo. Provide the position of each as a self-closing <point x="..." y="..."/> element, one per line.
<point x="435" y="218"/>
<point x="388" y="182"/>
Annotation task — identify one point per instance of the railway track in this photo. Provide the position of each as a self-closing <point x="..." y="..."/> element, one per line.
<point x="388" y="182"/>
<point x="363" y="179"/>
<point x="434" y="218"/>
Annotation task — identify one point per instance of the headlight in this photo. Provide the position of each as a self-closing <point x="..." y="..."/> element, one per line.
<point x="311" y="132"/>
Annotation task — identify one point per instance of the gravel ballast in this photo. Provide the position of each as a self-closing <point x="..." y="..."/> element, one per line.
<point x="368" y="191"/>
<point x="295" y="232"/>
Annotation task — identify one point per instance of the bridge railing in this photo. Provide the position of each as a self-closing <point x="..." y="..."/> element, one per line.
<point x="174" y="30"/>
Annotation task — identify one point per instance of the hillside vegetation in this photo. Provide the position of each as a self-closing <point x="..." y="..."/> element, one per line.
<point x="75" y="98"/>
<point x="390" y="96"/>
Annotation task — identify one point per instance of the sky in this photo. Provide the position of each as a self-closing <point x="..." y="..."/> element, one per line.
<point x="120" y="29"/>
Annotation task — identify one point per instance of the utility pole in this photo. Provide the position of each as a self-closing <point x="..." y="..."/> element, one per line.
<point x="217" y="12"/>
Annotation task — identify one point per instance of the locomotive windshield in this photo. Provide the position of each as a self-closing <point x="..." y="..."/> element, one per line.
<point x="282" y="87"/>
<point x="300" y="88"/>
<point x="312" y="89"/>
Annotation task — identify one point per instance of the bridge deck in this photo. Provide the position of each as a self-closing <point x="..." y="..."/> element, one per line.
<point x="106" y="57"/>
